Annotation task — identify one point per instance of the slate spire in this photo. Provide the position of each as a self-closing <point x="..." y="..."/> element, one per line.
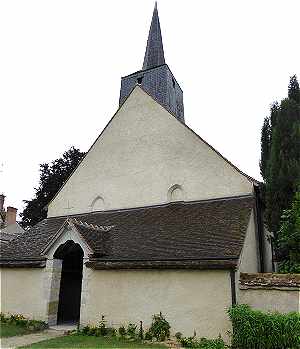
<point x="154" y="55"/>
<point x="155" y="77"/>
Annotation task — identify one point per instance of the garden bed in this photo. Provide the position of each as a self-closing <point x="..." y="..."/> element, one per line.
<point x="81" y="341"/>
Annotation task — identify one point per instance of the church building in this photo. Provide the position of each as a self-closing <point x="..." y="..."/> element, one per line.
<point x="152" y="220"/>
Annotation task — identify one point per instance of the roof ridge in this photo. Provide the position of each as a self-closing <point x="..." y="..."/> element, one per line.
<point x="91" y="226"/>
<point x="166" y="204"/>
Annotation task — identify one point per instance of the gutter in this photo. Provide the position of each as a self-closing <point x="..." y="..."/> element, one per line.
<point x="233" y="287"/>
<point x="259" y="228"/>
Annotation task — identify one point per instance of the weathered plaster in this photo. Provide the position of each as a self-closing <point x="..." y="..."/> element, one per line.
<point x="249" y="259"/>
<point x="140" y="155"/>
<point x="190" y="300"/>
<point x="23" y="292"/>
<point x="279" y="299"/>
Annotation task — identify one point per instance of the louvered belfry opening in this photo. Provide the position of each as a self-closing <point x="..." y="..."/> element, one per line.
<point x="71" y="255"/>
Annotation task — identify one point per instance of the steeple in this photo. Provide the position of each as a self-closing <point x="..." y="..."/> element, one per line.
<point x="156" y="77"/>
<point x="154" y="55"/>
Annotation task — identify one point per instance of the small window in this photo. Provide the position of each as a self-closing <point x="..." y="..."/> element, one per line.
<point x="139" y="80"/>
<point x="98" y="204"/>
<point x="173" y="82"/>
<point x="175" y="193"/>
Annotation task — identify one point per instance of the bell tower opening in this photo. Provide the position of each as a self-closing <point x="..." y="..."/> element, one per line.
<point x="71" y="255"/>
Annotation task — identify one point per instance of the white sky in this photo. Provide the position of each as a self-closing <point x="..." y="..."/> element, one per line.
<point x="61" y="63"/>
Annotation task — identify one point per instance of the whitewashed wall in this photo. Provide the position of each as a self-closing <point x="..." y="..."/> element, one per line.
<point x="281" y="299"/>
<point x="23" y="292"/>
<point x="143" y="153"/>
<point x="190" y="300"/>
<point x="249" y="259"/>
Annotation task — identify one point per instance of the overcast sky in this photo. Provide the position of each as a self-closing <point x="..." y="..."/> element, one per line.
<point x="61" y="63"/>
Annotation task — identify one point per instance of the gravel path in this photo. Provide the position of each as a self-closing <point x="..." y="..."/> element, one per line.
<point x="18" y="341"/>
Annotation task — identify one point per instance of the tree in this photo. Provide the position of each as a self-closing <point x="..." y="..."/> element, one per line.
<point x="289" y="237"/>
<point x="294" y="91"/>
<point x="52" y="177"/>
<point x="280" y="155"/>
<point x="265" y="147"/>
<point x="266" y="140"/>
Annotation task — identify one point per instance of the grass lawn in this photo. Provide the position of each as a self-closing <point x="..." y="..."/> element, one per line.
<point x="10" y="330"/>
<point x="79" y="341"/>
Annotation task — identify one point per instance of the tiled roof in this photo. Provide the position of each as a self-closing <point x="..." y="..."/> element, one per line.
<point x="171" y="235"/>
<point x="10" y="232"/>
<point x="269" y="280"/>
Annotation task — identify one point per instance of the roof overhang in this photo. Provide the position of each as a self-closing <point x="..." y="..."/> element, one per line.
<point x="67" y="231"/>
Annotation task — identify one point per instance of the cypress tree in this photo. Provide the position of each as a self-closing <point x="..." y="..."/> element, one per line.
<point x="265" y="147"/>
<point x="282" y="172"/>
<point x="294" y="91"/>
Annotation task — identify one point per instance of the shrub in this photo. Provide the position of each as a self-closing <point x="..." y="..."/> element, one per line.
<point x="141" y="331"/>
<point x="255" y="329"/>
<point x="131" y="330"/>
<point x="178" y="335"/>
<point x="148" y="336"/>
<point x="203" y="343"/>
<point x="33" y="325"/>
<point x="22" y="321"/>
<point x="110" y="331"/>
<point x="122" y="331"/>
<point x="102" y="329"/>
<point x="3" y="318"/>
<point x="160" y="328"/>
<point x="93" y="331"/>
<point x="286" y="267"/>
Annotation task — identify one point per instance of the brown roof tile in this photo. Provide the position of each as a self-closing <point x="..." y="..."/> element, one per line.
<point x="212" y="231"/>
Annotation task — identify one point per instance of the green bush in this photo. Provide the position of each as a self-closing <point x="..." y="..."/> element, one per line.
<point x="160" y="328"/>
<point x="98" y="331"/>
<point x="111" y="332"/>
<point x="202" y="343"/>
<point x="253" y="329"/>
<point x="178" y="335"/>
<point x="22" y="321"/>
<point x="131" y="330"/>
<point x="141" y="331"/>
<point x="148" y="336"/>
<point x="287" y="267"/>
<point x="122" y="331"/>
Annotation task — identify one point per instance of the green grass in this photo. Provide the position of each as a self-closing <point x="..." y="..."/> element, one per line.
<point x="10" y="330"/>
<point x="80" y="341"/>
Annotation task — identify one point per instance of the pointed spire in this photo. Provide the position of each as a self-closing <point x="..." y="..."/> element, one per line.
<point x="154" y="55"/>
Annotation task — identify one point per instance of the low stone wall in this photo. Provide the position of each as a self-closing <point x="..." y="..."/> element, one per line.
<point x="271" y="292"/>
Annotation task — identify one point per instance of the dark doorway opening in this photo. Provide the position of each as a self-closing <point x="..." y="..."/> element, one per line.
<point x="70" y="285"/>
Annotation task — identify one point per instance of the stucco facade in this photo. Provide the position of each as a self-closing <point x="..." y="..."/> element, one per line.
<point x="142" y="153"/>
<point x="280" y="299"/>
<point x="23" y="291"/>
<point x="249" y="259"/>
<point x="190" y="300"/>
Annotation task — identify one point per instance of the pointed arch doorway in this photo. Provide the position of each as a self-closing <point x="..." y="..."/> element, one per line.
<point x="71" y="255"/>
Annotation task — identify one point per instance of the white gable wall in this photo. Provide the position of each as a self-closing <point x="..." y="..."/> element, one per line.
<point x="249" y="259"/>
<point x="142" y="153"/>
